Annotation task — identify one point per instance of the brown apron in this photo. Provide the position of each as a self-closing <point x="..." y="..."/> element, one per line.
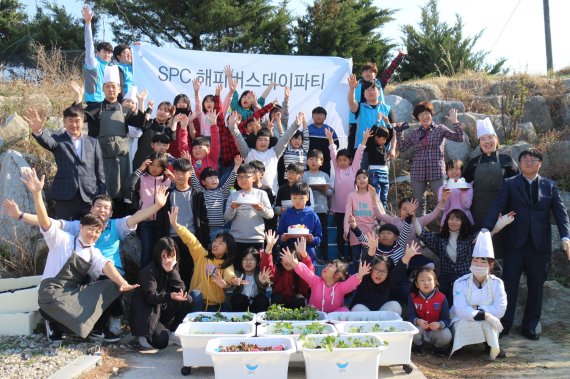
<point x="115" y="149"/>
<point x="68" y="300"/>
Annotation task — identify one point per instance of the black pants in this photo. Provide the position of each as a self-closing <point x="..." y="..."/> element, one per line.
<point x="324" y="246"/>
<point x="535" y="265"/>
<point x="241" y="247"/>
<point x="351" y="138"/>
<point x="340" y="242"/>
<point x="297" y="302"/>
<point x="72" y="209"/>
<point x="185" y="262"/>
<point x="171" y="315"/>
<point x="241" y="303"/>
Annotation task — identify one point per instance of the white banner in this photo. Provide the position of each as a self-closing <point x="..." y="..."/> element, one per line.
<point x="314" y="81"/>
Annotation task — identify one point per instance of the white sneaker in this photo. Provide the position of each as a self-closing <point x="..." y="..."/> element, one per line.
<point x="115" y="326"/>
<point x="173" y="339"/>
<point x="144" y="343"/>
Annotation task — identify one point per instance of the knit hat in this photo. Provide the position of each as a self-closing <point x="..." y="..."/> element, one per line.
<point x="485" y="127"/>
<point x="484" y="246"/>
<point x="391" y="228"/>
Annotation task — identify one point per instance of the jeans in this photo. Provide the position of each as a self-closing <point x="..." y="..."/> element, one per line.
<point x="145" y="232"/>
<point x="356" y="253"/>
<point x="199" y="304"/>
<point x="380" y="180"/>
<point x="419" y="188"/>
<point x="214" y="231"/>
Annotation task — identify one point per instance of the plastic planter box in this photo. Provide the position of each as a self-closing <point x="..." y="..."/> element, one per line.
<point x="339" y="317"/>
<point x="345" y="363"/>
<point x="268" y="330"/>
<point x="211" y="317"/>
<point x="252" y="364"/>
<point x="399" y="343"/>
<point x="261" y="319"/>
<point x="194" y="337"/>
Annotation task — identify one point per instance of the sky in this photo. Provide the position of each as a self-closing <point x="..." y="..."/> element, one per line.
<point x="512" y="29"/>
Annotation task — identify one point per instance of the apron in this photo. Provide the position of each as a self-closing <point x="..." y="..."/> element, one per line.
<point x="115" y="150"/>
<point x="487" y="183"/>
<point x="68" y="300"/>
<point x="473" y="332"/>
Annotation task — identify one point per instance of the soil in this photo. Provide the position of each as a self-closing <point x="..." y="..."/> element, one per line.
<point x="113" y="363"/>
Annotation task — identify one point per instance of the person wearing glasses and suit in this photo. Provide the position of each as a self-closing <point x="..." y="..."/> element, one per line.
<point x="528" y="238"/>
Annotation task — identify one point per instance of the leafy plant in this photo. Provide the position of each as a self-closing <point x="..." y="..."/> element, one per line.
<point x="277" y="312"/>
<point x="331" y="342"/>
<point x="248" y="347"/>
<point x="220" y="317"/>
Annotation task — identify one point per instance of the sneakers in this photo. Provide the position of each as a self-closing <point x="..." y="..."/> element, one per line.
<point x="105" y="335"/>
<point x="173" y="339"/>
<point x="140" y="344"/>
<point x="115" y="325"/>
<point x="418" y="349"/>
<point x="52" y="334"/>
<point x="441" y="351"/>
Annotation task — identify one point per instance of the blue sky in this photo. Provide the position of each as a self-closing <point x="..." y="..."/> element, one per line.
<point x="519" y="38"/>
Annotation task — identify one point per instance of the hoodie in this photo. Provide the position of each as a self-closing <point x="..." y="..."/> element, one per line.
<point x="307" y="217"/>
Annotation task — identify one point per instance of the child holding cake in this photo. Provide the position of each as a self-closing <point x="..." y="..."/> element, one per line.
<point x="300" y="220"/>
<point x="319" y="181"/>
<point x="460" y="192"/>
<point x="283" y="199"/>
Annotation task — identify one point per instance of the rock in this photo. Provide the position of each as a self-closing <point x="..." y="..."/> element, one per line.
<point x="515" y="150"/>
<point x="486" y="104"/>
<point x="527" y="132"/>
<point x="566" y="84"/>
<point x="564" y="113"/>
<point x="14" y="129"/>
<point x="536" y="110"/>
<point x="401" y="107"/>
<point x="504" y="87"/>
<point x="130" y="249"/>
<point x="441" y="110"/>
<point x="19" y="238"/>
<point x="501" y="123"/>
<point x="10" y="104"/>
<point x="39" y="102"/>
<point x="416" y="93"/>
<point x="565" y="196"/>
<point x="556" y="159"/>
<point x="469" y="124"/>
<point x="555" y="303"/>
<point x="458" y="150"/>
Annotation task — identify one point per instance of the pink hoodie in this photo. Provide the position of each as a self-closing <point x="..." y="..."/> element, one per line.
<point x="326" y="299"/>
<point x="344" y="179"/>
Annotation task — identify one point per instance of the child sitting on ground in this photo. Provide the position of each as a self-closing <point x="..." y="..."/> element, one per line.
<point x="249" y="295"/>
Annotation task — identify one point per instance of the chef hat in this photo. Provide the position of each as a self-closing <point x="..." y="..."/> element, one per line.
<point x="484" y="246"/>
<point x="112" y="75"/>
<point x="132" y="94"/>
<point x="485" y="127"/>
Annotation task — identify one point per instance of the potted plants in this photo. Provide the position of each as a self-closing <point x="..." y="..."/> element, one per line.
<point x="276" y="313"/>
<point x="341" y="357"/>
<point x="221" y="317"/>
<point x="257" y="357"/>
<point x="338" y="317"/>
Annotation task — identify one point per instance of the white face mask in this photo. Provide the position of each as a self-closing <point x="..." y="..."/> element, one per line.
<point x="168" y="265"/>
<point x="479" y="271"/>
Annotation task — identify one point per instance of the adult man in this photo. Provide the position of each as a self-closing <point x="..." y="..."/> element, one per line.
<point x="529" y="244"/>
<point x="80" y="176"/>
<point x="123" y="54"/>
<point x="95" y="62"/>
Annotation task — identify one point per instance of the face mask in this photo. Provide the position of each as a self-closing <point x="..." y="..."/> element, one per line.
<point x="168" y="265"/>
<point x="479" y="271"/>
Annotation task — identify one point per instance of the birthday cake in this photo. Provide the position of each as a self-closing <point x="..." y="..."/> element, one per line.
<point x="247" y="198"/>
<point x="457" y="184"/>
<point x="316" y="181"/>
<point x="298" y="229"/>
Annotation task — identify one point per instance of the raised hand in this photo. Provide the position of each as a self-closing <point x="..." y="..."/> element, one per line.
<point x="217" y="278"/>
<point x="366" y="135"/>
<point x="372" y="193"/>
<point x="453" y="116"/>
<point x="372" y="239"/>
<point x="87" y="14"/>
<point x="12" y="209"/>
<point x="352" y="81"/>
<point x="301" y="245"/>
<point x="196" y="84"/>
<point x="271" y="239"/>
<point x="30" y="179"/>
<point x="228" y="72"/>
<point x="150" y="104"/>
<point x="363" y="269"/>
<point x="77" y="91"/>
<point x="161" y="195"/>
<point x="265" y="275"/>
<point x="167" y="173"/>
<point x="183" y="120"/>
<point x="233" y="119"/>
<point x="413" y="205"/>
<point x="287" y="256"/>
<point x="173" y="216"/>
<point x="329" y="135"/>
<point x="301" y="118"/>
<point x="141" y="96"/>
<point x="235" y="281"/>
<point x="238" y="160"/>
<point x="287" y="93"/>
<point x="212" y="116"/>
<point x="34" y="120"/>
<point x="218" y="89"/>
<point x="186" y="155"/>
<point x="412" y="249"/>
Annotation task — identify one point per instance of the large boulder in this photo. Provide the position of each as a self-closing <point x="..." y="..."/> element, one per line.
<point x="416" y="93"/>
<point x="401" y="107"/>
<point x="458" y="150"/>
<point x="501" y="123"/>
<point x="40" y="102"/>
<point x="14" y="129"/>
<point x="469" y="124"/>
<point x="527" y="132"/>
<point x="556" y="159"/>
<point x="566" y="84"/>
<point x="486" y="104"/>
<point x="515" y="150"/>
<point x="441" y="110"/>
<point x="536" y="110"/>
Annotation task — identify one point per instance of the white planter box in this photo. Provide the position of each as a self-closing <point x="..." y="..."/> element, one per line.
<point x="338" y="317"/>
<point x="261" y="319"/>
<point x="268" y="330"/>
<point x="399" y="343"/>
<point x="211" y="317"/>
<point x="244" y="365"/>
<point x="347" y="363"/>
<point x="19" y="305"/>
<point x="194" y="337"/>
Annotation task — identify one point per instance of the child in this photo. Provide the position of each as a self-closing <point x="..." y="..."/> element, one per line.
<point x="215" y="194"/>
<point x="283" y="199"/>
<point x="373" y="294"/>
<point x="214" y="271"/>
<point x="160" y="303"/>
<point x="321" y="198"/>
<point x="262" y="152"/>
<point x="300" y="214"/>
<point x="204" y="153"/>
<point x="134" y="101"/>
<point x="318" y="137"/>
<point x="158" y="125"/>
<point x="208" y="106"/>
<point x="344" y="178"/>
<point x="247" y="216"/>
<point x="458" y="198"/>
<point x="296" y="151"/>
<point x="379" y="150"/>
<point x="143" y="183"/>
<point x="288" y="288"/>
<point x="259" y="167"/>
<point x="193" y="215"/>
<point x="429" y="311"/>
<point x="329" y="289"/>
<point x="183" y="125"/>
<point x="249" y="295"/>
<point x="247" y="103"/>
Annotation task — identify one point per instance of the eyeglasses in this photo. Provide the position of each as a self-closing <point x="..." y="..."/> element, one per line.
<point x="244" y="177"/>
<point x="248" y="260"/>
<point x="381" y="272"/>
<point x="530" y="160"/>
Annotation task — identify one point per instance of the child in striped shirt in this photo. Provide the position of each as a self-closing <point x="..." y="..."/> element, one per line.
<point x="215" y="194"/>
<point x="297" y="149"/>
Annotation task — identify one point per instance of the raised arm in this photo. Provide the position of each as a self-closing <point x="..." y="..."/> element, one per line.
<point x="240" y="141"/>
<point x="35" y="185"/>
<point x="143" y="214"/>
<point x="352" y="84"/>
<point x="90" y="60"/>
<point x="283" y="141"/>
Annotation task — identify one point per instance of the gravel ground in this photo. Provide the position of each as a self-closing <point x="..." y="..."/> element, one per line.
<point x="34" y="357"/>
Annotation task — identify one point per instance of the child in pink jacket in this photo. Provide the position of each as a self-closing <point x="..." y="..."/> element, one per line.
<point x="329" y="289"/>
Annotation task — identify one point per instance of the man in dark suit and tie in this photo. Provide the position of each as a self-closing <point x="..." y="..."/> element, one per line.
<point x="529" y="241"/>
<point x="80" y="176"/>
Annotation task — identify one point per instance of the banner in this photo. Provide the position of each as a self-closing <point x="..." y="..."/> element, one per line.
<point x="314" y="81"/>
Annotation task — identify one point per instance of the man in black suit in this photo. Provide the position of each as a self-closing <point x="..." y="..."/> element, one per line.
<point x="529" y="241"/>
<point x="80" y="176"/>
